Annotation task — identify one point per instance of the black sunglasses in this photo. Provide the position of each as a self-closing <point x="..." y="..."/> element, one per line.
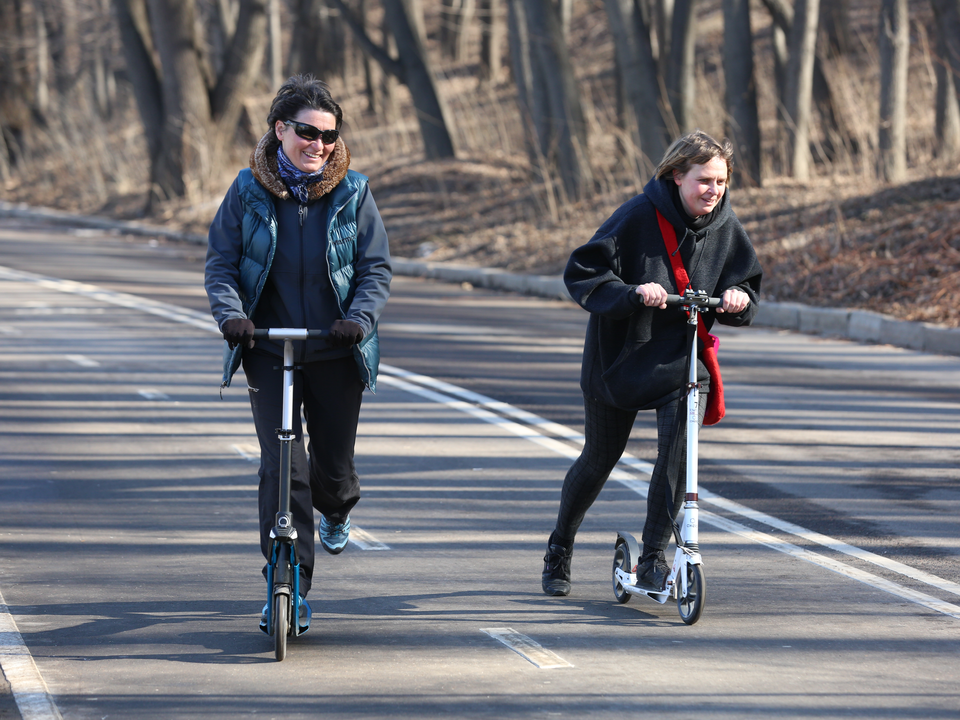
<point x="311" y="133"/>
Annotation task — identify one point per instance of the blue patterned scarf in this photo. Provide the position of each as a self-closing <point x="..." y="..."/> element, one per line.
<point x="296" y="179"/>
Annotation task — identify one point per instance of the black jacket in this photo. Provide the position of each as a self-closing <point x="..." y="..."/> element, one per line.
<point x="634" y="357"/>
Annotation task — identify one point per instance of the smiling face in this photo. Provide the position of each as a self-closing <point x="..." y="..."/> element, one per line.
<point x="308" y="156"/>
<point x="702" y="186"/>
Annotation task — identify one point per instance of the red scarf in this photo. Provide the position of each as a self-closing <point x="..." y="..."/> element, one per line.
<point x="715" y="405"/>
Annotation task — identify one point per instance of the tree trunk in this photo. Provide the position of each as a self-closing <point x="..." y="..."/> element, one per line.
<point x="388" y="81"/>
<point x="455" y="18"/>
<point x="947" y="13"/>
<point x="143" y="73"/>
<point x="16" y="92"/>
<point x="894" y="50"/>
<point x="832" y="109"/>
<point x="275" y="68"/>
<point x="681" y="76"/>
<point x="531" y="92"/>
<point x="42" y="87"/>
<point x="413" y="70"/>
<point x="186" y="104"/>
<point x="741" y="89"/>
<point x="947" y="123"/>
<point x="565" y="143"/>
<point x="491" y="39"/>
<point x="803" y="43"/>
<point x="639" y="73"/>
<point x="241" y="67"/>
<point x="565" y="13"/>
<point x="664" y="36"/>
<point x="835" y="22"/>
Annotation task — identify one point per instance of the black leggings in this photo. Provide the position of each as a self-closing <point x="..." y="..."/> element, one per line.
<point x="607" y="430"/>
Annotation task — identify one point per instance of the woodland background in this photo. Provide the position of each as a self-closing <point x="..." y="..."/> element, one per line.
<point x="503" y="132"/>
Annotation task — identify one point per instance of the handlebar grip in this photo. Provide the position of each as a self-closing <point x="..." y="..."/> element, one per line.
<point x="699" y="301"/>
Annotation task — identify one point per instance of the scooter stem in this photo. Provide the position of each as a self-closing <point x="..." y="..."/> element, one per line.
<point x="285" y="433"/>
<point x="691" y="510"/>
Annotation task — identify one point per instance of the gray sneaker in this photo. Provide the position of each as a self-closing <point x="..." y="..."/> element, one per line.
<point x="334" y="536"/>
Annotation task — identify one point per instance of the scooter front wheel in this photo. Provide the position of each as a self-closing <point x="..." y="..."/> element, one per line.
<point x="621" y="561"/>
<point x="691" y="603"/>
<point x="281" y="624"/>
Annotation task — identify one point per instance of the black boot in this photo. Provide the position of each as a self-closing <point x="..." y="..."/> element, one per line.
<point x="652" y="570"/>
<point x="556" y="569"/>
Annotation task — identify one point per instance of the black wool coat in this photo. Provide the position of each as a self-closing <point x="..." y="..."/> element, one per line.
<point x="634" y="357"/>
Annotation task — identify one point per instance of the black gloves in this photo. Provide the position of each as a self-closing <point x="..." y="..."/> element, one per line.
<point x="238" y="331"/>
<point x="344" y="333"/>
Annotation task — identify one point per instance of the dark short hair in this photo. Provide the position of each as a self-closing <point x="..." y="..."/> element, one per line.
<point x="300" y="92"/>
<point x="696" y="148"/>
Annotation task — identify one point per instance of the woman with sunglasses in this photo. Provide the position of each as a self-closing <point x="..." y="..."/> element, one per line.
<point x="298" y="242"/>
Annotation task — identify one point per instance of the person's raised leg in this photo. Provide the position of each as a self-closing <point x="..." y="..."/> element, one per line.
<point x="606" y="432"/>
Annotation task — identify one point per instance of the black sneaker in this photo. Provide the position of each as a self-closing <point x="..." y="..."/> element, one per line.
<point x="652" y="572"/>
<point x="556" y="570"/>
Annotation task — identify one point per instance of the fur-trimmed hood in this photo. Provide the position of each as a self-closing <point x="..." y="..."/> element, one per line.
<point x="263" y="163"/>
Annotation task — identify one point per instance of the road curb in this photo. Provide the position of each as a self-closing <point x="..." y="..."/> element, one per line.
<point x="856" y="325"/>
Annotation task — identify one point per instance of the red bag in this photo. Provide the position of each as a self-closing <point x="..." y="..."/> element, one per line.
<point x="716" y="408"/>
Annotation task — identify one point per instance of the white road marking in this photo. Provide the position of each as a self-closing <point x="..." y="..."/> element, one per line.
<point x="250" y="453"/>
<point x="26" y="684"/>
<point x="150" y="394"/>
<point x="82" y="360"/>
<point x="527" y="648"/>
<point x="364" y="540"/>
<point x="484" y="410"/>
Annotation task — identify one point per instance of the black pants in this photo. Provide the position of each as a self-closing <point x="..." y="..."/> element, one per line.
<point x="607" y="430"/>
<point x="330" y="393"/>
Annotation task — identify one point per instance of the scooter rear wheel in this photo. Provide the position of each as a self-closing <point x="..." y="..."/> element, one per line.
<point x="281" y="624"/>
<point x="691" y="604"/>
<point x="621" y="561"/>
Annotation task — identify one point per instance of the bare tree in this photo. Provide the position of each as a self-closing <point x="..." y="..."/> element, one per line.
<point x="187" y="115"/>
<point x="638" y="76"/>
<point x="456" y="17"/>
<point x="548" y="94"/>
<point x="491" y="38"/>
<point x="831" y="107"/>
<point x="743" y="125"/>
<point x="835" y="23"/>
<point x="680" y="76"/>
<point x="947" y="13"/>
<point x="413" y="69"/>
<point x="947" y="119"/>
<point x="894" y="50"/>
<point x="317" y="41"/>
<point x="799" y="91"/>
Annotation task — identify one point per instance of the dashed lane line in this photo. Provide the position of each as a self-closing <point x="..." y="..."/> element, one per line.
<point x="527" y="648"/>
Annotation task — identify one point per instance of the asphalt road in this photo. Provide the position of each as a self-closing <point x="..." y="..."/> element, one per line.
<point x="128" y="553"/>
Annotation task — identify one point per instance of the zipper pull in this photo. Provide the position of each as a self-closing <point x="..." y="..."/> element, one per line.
<point x="303" y="214"/>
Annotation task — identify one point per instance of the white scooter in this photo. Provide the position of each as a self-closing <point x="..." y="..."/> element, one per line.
<point x="686" y="583"/>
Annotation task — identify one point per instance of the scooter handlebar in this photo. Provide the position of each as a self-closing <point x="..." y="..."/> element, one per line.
<point x="289" y="333"/>
<point x="698" y="299"/>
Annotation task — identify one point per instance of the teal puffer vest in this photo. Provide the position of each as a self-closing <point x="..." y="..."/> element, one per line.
<point x="259" y="238"/>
